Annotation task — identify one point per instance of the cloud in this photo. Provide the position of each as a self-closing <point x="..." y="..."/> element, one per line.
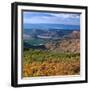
<point x="51" y="18"/>
<point x="65" y="15"/>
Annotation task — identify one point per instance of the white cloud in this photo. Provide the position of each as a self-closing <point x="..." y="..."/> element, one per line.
<point x="65" y="15"/>
<point x="60" y="18"/>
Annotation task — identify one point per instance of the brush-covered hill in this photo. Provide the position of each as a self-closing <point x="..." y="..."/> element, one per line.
<point x="70" y="44"/>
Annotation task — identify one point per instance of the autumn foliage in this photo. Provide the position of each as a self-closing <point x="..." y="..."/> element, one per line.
<point x="47" y="63"/>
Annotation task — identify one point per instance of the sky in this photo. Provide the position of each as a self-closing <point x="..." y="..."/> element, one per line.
<point x="50" y="18"/>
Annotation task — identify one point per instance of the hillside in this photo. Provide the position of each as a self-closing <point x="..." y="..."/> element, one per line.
<point x="54" y="57"/>
<point x="74" y="35"/>
<point x="69" y="45"/>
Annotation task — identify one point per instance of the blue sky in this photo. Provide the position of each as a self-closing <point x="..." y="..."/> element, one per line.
<point x="51" y="18"/>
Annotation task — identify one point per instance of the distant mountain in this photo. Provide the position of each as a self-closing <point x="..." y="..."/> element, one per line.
<point x="55" y="40"/>
<point x="49" y="33"/>
<point x="51" y="26"/>
<point x="66" y="45"/>
<point x="74" y="35"/>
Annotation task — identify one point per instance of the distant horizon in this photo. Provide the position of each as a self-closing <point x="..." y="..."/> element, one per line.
<point x="51" y="26"/>
<point x="45" y="20"/>
<point x="51" y="23"/>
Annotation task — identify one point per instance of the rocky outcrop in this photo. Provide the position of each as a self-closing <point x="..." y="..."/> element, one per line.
<point x="69" y="45"/>
<point x="73" y="35"/>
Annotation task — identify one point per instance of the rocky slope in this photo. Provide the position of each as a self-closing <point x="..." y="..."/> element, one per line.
<point x="69" y="44"/>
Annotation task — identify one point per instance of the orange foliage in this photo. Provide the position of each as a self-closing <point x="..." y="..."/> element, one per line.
<point x="51" y="68"/>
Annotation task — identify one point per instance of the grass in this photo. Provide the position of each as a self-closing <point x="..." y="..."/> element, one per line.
<point x="48" y="63"/>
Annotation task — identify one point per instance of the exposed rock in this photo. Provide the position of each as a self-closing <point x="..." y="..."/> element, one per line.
<point x="73" y="35"/>
<point x="69" y="45"/>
